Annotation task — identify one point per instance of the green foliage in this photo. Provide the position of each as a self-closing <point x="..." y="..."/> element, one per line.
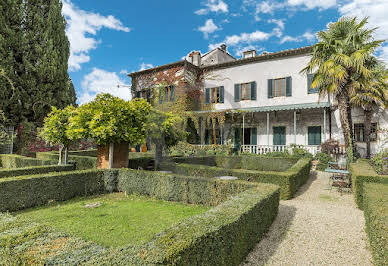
<point x="119" y="219"/>
<point x="380" y="163"/>
<point x="376" y="220"/>
<point x="56" y="124"/>
<point x="109" y="119"/>
<point x="81" y="162"/>
<point x="324" y="160"/>
<point x="22" y="192"/>
<point x="362" y="173"/>
<point x="11" y="161"/>
<point x="289" y="181"/>
<point x="186" y="149"/>
<point x="35" y="170"/>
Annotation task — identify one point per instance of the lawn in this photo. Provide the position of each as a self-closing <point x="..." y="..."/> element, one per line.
<point x="113" y="219"/>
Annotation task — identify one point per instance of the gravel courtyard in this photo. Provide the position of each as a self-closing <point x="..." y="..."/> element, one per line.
<point x="317" y="227"/>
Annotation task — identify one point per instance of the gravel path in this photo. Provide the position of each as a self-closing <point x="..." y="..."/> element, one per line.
<point x="317" y="227"/>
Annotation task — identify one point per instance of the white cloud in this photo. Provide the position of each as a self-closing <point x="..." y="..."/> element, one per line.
<point x="307" y="36"/>
<point x="101" y="81"/>
<point x="81" y="27"/>
<point x="124" y="72"/>
<point x="144" y="66"/>
<point x="208" y="28"/>
<point x="311" y="4"/>
<point x="278" y="22"/>
<point x="376" y="10"/>
<point x="246" y="38"/>
<point x="213" y="6"/>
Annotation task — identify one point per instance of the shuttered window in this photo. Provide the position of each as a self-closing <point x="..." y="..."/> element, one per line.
<point x="280" y="87"/>
<point x="245" y="91"/>
<point x="314" y="135"/>
<point x="359" y="132"/>
<point x="167" y="94"/>
<point x="310" y="90"/>
<point x="214" y="95"/>
<point x="279" y="136"/>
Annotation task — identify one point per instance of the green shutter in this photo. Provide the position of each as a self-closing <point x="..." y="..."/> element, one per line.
<point x="172" y="93"/>
<point x="249" y="91"/>
<point x="279" y="136"/>
<point x="138" y="94"/>
<point x="253" y="90"/>
<point x="254" y="136"/>
<point x="236" y="92"/>
<point x="288" y="86"/>
<point x="310" y="79"/>
<point x="270" y="89"/>
<point x="314" y="135"/>
<point x="222" y="94"/>
<point x="207" y="95"/>
<point x="160" y="96"/>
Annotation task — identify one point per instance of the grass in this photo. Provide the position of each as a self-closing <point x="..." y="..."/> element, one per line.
<point x="116" y="220"/>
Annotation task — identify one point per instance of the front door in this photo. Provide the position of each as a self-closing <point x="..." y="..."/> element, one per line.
<point x="279" y="136"/>
<point x="314" y="135"/>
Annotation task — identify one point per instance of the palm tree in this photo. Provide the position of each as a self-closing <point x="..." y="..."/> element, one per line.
<point x="338" y="59"/>
<point x="371" y="94"/>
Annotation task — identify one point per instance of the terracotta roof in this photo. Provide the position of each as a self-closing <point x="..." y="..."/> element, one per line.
<point x="258" y="58"/>
<point x="262" y="57"/>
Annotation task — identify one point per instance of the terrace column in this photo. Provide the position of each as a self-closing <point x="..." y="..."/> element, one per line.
<point x="268" y="129"/>
<point x="324" y="124"/>
<point x="295" y="127"/>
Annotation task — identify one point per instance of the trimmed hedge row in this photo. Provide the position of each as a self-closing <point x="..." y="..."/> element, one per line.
<point x="248" y="162"/>
<point x="12" y="161"/>
<point x="82" y="162"/>
<point x="28" y="191"/>
<point x="289" y="181"/>
<point x="34" y="170"/>
<point x="362" y="172"/>
<point x="222" y="236"/>
<point x="376" y="220"/>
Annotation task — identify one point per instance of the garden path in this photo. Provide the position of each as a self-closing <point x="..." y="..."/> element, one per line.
<point x="317" y="227"/>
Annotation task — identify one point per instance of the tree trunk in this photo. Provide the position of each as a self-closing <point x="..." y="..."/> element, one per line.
<point x="343" y="106"/>
<point x="66" y="158"/>
<point x="368" y="125"/>
<point x="60" y="154"/>
<point x="111" y="151"/>
<point x="158" y="155"/>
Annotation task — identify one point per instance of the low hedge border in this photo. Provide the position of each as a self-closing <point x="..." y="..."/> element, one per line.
<point x="12" y="161"/>
<point x="362" y="172"/>
<point x="34" y="170"/>
<point x="248" y="162"/>
<point x="376" y="220"/>
<point x="222" y="236"/>
<point x="289" y="181"/>
<point x="82" y="162"/>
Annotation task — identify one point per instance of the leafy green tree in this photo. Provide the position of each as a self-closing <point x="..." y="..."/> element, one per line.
<point x="371" y="94"/>
<point x="109" y="120"/>
<point x="55" y="130"/>
<point x="164" y="129"/>
<point x="339" y="59"/>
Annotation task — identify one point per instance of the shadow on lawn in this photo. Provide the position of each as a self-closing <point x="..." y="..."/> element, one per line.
<point x="276" y="234"/>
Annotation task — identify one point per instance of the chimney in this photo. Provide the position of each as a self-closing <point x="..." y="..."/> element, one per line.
<point x="195" y="58"/>
<point x="249" y="54"/>
<point x="223" y="47"/>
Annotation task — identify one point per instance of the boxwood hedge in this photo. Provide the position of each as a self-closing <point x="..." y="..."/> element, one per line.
<point x="224" y="235"/>
<point x="362" y="172"/>
<point x="34" y="170"/>
<point x="82" y="162"/>
<point x="289" y="181"/>
<point x="11" y="161"/>
<point x="376" y="219"/>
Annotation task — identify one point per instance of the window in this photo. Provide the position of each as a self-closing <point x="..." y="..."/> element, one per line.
<point x="279" y="136"/>
<point x="359" y="132"/>
<point x="145" y="94"/>
<point x="245" y="91"/>
<point x="314" y="135"/>
<point x="310" y="90"/>
<point x="214" y="95"/>
<point x="280" y="87"/>
<point x="167" y="95"/>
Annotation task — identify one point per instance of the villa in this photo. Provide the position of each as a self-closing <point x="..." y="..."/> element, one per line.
<point x="269" y="104"/>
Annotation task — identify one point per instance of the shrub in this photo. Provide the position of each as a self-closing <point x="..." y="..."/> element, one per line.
<point x="376" y="220"/>
<point x="289" y="181"/>
<point x="28" y="191"/>
<point x="380" y="162"/>
<point x="141" y="163"/>
<point x="11" y="161"/>
<point x="362" y="172"/>
<point x="186" y="149"/>
<point x="35" y="170"/>
<point x="82" y="162"/>
<point x="324" y="160"/>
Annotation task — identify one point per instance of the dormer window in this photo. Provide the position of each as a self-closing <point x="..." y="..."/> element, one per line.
<point x="249" y="54"/>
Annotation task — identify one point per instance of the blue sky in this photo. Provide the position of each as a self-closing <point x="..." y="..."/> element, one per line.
<point x="112" y="38"/>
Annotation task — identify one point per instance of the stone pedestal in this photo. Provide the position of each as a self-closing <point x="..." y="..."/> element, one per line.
<point x="120" y="156"/>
